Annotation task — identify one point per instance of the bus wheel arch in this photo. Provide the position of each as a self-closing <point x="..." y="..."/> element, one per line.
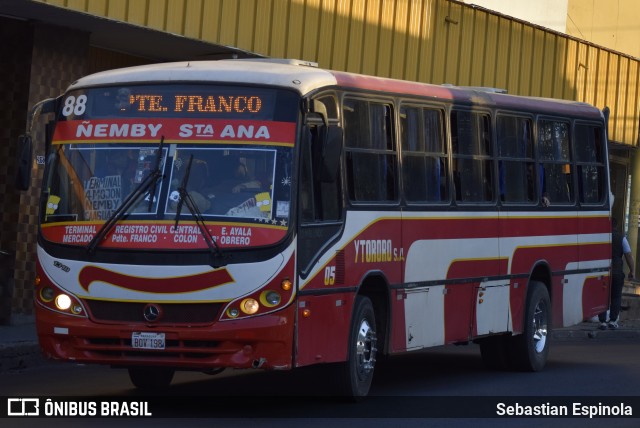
<point x="541" y="272"/>
<point x="376" y="288"/>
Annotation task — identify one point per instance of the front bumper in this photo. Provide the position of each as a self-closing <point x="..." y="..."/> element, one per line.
<point x="261" y="342"/>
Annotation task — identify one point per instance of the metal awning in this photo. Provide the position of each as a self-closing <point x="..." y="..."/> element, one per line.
<point x="119" y="36"/>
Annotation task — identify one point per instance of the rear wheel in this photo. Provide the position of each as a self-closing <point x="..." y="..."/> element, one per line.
<point x="357" y="371"/>
<point x="148" y="378"/>
<point x="531" y="348"/>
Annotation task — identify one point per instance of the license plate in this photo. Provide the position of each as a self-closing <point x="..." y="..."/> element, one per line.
<point x="146" y="340"/>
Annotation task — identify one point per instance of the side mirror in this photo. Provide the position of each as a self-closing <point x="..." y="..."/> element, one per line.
<point x="25" y="143"/>
<point x="321" y="110"/>
<point x="25" y="159"/>
<point x="315" y="112"/>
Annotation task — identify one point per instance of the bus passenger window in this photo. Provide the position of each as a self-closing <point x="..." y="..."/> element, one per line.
<point x="472" y="162"/>
<point x="369" y="151"/>
<point x="516" y="167"/>
<point x="554" y="155"/>
<point x="590" y="163"/>
<point x="424" y="160"/>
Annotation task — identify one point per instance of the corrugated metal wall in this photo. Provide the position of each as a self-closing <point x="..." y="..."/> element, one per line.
<point x="435" y="41"/>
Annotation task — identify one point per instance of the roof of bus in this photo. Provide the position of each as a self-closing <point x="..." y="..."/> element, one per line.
<point x="300" y="76"/>
<point x="305" y="77"/>
<point x="476" y="96"/>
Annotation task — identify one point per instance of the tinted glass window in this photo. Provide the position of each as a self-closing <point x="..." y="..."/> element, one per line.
<point x="370" y="151"/>
<point x="472" y="163"/>
<point x="516" y="166"/>
<point x="424" y="160"/>
<point x="556" y="173"/>
<point x="590" y="163"/>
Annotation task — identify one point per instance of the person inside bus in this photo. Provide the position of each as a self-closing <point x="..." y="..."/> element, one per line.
<point x="619" y="248"/>
<point x="233" y="176"/>
<point x="197" y="183"/>
<point x="545" y="201"/>
<point x="221" y="187"/>
<point x="122" y="163"/>
<point x="242" y="179"/>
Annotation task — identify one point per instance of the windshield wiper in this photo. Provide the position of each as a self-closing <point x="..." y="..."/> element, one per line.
<point x="157" y="168"/>
<point x="192" y="206"/>
<point x="183" y="185"/>
<point x="122" y="210"/>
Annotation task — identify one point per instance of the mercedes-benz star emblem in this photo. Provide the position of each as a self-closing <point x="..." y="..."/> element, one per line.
<point x="152" y="313"/>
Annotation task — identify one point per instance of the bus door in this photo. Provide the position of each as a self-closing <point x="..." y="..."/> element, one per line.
<point x="323" y="313"/>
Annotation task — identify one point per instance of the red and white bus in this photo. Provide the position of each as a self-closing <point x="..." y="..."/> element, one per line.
<point x="271" y="214"/>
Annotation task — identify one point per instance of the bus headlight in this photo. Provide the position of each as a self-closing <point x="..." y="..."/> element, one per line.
<point x="274" y="296"/>
<point x="63" y="302"/>
<point x="249" y="306"/>
<point x="270" y="298"/>
<point x="46" y="294"/>
<point x="49" y="296"/>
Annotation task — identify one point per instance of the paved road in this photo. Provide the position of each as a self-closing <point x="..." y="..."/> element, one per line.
<point x="441" y="382"/>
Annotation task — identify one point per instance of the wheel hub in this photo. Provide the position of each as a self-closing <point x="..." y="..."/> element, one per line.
<point x="366" y="348"/>
<point x="540" y="327"/>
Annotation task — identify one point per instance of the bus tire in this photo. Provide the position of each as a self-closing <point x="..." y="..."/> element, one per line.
<point x="531" y="348"/>
<point x="495" y="352"/>
<point x="148" y="378"/>
<point x="357" y="371"/>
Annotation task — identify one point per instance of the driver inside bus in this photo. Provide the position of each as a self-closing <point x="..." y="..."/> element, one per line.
<point x="197" y="181"/>
<point x="122" y="163"/>
<point x="242" y="178"/>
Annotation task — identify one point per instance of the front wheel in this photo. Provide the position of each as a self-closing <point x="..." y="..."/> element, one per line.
<point x="531" y="348"/>
<point x="357" y="371"/>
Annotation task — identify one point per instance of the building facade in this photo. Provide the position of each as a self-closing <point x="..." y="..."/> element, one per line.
<point x="53" y="42"/>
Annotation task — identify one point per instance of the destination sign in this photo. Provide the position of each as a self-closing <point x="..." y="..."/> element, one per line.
<point x="179" y="103"/>
<point x="174" y="131"/>
<point x="165" y="235"/>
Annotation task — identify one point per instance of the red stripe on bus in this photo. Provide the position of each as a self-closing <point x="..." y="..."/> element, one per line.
<point x="180" y="284"/>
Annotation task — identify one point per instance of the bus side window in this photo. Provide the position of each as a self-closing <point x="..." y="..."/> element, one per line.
<point x="590" y="163"/>
<point x="516" y="167"/>
<point x="472" y="161"/>
<point x="423" y="155"/>
<point x="369" y="151"/>
<point x="554" y="155"/>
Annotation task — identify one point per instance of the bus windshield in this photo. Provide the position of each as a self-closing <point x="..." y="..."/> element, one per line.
<point x="227" y="149"/>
